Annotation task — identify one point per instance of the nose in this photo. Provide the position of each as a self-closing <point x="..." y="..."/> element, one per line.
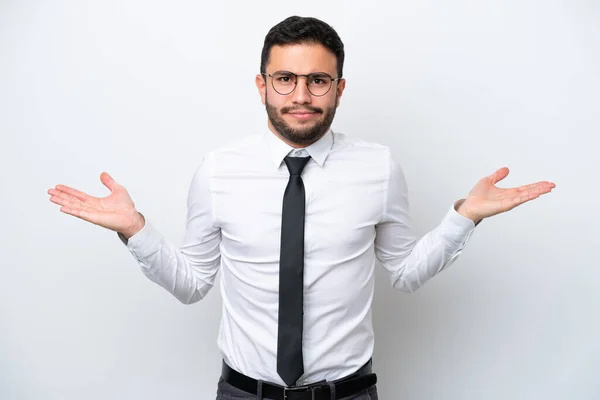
<point x="301" y="93"/>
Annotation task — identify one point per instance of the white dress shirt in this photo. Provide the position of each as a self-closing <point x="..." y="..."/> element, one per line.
<point x="356" y="213"/>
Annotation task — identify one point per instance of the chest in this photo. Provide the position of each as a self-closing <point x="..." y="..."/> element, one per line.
<point x="340" y="215"/>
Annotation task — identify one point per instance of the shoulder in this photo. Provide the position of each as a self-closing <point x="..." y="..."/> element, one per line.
<point x="233" y="152"/>
<point x="363" y="149"/>
<point x="370" y="156"/>
<point x="245" y="145"/>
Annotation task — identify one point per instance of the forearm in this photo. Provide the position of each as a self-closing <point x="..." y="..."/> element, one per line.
<point x="411" y="262"/>
<point x="187" y="277"/>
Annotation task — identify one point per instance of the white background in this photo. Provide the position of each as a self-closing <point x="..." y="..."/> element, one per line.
<point x="142" y="89"/>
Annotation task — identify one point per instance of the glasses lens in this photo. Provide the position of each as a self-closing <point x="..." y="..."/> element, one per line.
<point x="284" y="82"/>
<point x="319" y="84"/>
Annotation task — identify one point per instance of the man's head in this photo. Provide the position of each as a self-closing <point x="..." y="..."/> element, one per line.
<point x="302" y="113"/>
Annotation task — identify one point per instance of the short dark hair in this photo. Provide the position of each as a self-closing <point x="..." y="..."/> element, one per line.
<point x="300" y="30"/>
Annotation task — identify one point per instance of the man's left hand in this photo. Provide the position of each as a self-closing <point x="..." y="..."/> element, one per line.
<point x="485" y="199"/>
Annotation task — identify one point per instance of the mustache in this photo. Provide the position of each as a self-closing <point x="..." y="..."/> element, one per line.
<point x="285" y="110"/>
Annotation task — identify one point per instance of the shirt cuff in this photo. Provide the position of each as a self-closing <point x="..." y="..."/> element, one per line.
<point x="145" y="242"/>
<point x="456" y="227"/>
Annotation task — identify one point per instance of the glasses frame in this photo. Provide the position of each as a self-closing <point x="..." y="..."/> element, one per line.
<point x="307" y="79"/>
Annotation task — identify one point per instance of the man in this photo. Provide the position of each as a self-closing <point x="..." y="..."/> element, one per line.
<point x="295" y="218"/>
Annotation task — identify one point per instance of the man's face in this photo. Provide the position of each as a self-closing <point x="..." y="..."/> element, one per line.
<point x="300" y="118"/>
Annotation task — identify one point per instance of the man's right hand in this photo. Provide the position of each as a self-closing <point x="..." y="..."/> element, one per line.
<point x="115" y="212"/>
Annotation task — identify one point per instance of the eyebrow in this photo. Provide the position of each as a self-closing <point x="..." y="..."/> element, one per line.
<point x="310" y="73"/>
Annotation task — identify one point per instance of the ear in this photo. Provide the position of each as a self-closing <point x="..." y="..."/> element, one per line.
<point x="261" y="86"/>
<point x="340" y="89"/>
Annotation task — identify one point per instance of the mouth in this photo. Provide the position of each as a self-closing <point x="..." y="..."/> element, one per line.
<point x="303" y="115"/>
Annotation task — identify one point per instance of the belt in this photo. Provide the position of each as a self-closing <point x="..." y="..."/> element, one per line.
<point x="344" y="387"/>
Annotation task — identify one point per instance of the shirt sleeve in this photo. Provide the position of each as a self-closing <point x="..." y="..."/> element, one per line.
<point x="410" y="261"/>
<point x="188" y="272"/>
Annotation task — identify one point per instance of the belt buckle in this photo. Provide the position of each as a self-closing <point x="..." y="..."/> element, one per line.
<point x="304" y="388"/>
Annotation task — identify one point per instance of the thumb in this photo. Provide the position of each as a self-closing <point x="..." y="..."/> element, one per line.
<point x="499" y="175"/>
<point x="108" y="181"/>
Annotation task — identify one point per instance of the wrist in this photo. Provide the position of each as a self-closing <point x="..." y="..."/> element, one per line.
<point x="462" y="207"/>
<point x="138" y="224"/>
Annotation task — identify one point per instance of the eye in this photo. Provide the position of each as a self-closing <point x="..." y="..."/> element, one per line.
<point x="319" y="80"/>
<point x="284" y="78"/>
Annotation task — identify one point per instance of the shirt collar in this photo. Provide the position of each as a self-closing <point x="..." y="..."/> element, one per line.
<point x="318" y="151"/>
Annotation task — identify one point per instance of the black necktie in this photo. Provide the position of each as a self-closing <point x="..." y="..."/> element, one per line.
<point x="290" y="365"/>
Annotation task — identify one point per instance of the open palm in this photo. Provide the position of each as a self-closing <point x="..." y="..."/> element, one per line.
<point x="116" y="211"/>
<point x="485" y="199"/>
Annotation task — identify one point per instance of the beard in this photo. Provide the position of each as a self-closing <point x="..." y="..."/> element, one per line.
<point x="310" y="132"/>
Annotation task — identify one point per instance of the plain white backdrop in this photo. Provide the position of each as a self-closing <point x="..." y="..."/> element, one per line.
<point x="142" y="89"/>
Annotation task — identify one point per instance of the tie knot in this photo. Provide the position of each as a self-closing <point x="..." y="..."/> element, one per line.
<point x="296" y="164"/>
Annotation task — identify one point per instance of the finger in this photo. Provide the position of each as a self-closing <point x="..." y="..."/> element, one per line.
<point x="57" y="194"/>
<point x="59" y="197"/>
<point x="86" y="215"/>
<point x="499" y="175"/>
<point x="70" y="202"/>
<point x="540" y="187"/>
<point x="108" y="181"/>
<point x="524" y="197"/>
<point x="71" y="192"/>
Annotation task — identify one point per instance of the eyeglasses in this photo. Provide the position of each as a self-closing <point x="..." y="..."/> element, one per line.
<point x="318" y="83"/>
